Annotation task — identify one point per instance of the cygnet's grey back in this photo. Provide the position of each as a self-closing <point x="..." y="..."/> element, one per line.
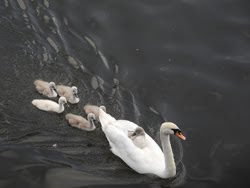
<point x="70" y="93"/>
<point x="63" y="90"/>
<point x="92" y="109"/>
<point x="79" y="122"/>
<point x="45" y="88"/>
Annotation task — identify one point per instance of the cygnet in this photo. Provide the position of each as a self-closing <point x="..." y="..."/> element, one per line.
<point x="46" y="88"/>
<point x="70" y="93"/>
<point x="93" y="109"/>
<point x="138" y="137"/>
<point x="80" y="122"/>
<point x="50" y="106"/>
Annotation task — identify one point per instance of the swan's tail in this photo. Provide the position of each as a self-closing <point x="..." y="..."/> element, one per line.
<point x="105" y="118"/>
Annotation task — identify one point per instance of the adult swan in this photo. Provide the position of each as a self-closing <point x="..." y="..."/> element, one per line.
<point x="147" y="160"/>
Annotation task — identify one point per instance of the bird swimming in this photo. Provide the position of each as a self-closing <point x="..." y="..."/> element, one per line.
<point x="49" y="105"/>
<point x="46" y="88"/>
<point x="88" y="108"/>
<point x="80" y="122"/>
<point x="70" y="93"/>
<point x="150" y="159"/>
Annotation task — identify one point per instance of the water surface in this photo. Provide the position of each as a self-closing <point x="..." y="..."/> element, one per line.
<point x="184" y="61"/>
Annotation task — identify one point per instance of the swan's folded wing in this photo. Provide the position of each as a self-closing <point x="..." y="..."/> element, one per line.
<point x="125" y="127"/>
<point x="139" y="141"/>
<point x="121" y="145"/>
<point x="141" y="160"/>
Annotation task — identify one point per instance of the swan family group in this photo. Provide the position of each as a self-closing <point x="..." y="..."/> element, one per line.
<point x="127" y="140"/>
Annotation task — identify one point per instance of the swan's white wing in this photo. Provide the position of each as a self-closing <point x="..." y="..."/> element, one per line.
<point x="125" y="125"/>
<point x="147" y="160"/>
<point x="121" y="145"/>
<point x="139" y="141"/>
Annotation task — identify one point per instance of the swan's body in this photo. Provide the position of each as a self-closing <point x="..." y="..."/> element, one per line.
<point x="80" y="122"/>
<point x="138" y="137"/>
<point x="46" y="88"/>
<point x="70" y="93"/>
<point x="147" y="160"/>
<point x="50" y="106"/>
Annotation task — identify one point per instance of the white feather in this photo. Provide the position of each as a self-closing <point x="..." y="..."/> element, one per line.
<point x="150" y="159"/>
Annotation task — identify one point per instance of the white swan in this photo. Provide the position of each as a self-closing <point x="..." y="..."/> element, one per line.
<point x="80" y="122"/>
<point x="70" y="93"/>
<point x="148" y="160"/>
<point x="46" y="88"/>
<point x="50" y="106"/>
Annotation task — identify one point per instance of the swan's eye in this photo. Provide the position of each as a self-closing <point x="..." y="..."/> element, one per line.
<point x="175" y="130"/>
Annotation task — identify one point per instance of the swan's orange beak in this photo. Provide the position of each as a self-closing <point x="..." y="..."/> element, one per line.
<point x="180" y="135"/>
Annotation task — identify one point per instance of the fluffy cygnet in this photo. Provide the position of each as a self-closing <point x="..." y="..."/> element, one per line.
<point x="46" y="88"/>
<point x="50" y="106"/>
<point x="70" y="93"/>
<point x="138" y="137"/>
<point x="93" y="109"/>
<point x="80" y="122"/>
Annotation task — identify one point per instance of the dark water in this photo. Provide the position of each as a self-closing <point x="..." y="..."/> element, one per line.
<point x="185" y="61"/>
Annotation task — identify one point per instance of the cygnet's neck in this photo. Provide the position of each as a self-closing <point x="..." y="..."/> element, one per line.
<point x="75" y="99"/>
<point x="170" y="168"/>
<point x="61" y="106"/>
<point x="52" y="92"/>
<point x="91" y="124"/>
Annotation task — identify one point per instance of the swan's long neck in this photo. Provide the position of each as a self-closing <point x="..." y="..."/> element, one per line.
<point x="170" y="168"/>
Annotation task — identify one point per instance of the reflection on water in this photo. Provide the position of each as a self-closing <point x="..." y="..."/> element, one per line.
<point x="148" y="62"/>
